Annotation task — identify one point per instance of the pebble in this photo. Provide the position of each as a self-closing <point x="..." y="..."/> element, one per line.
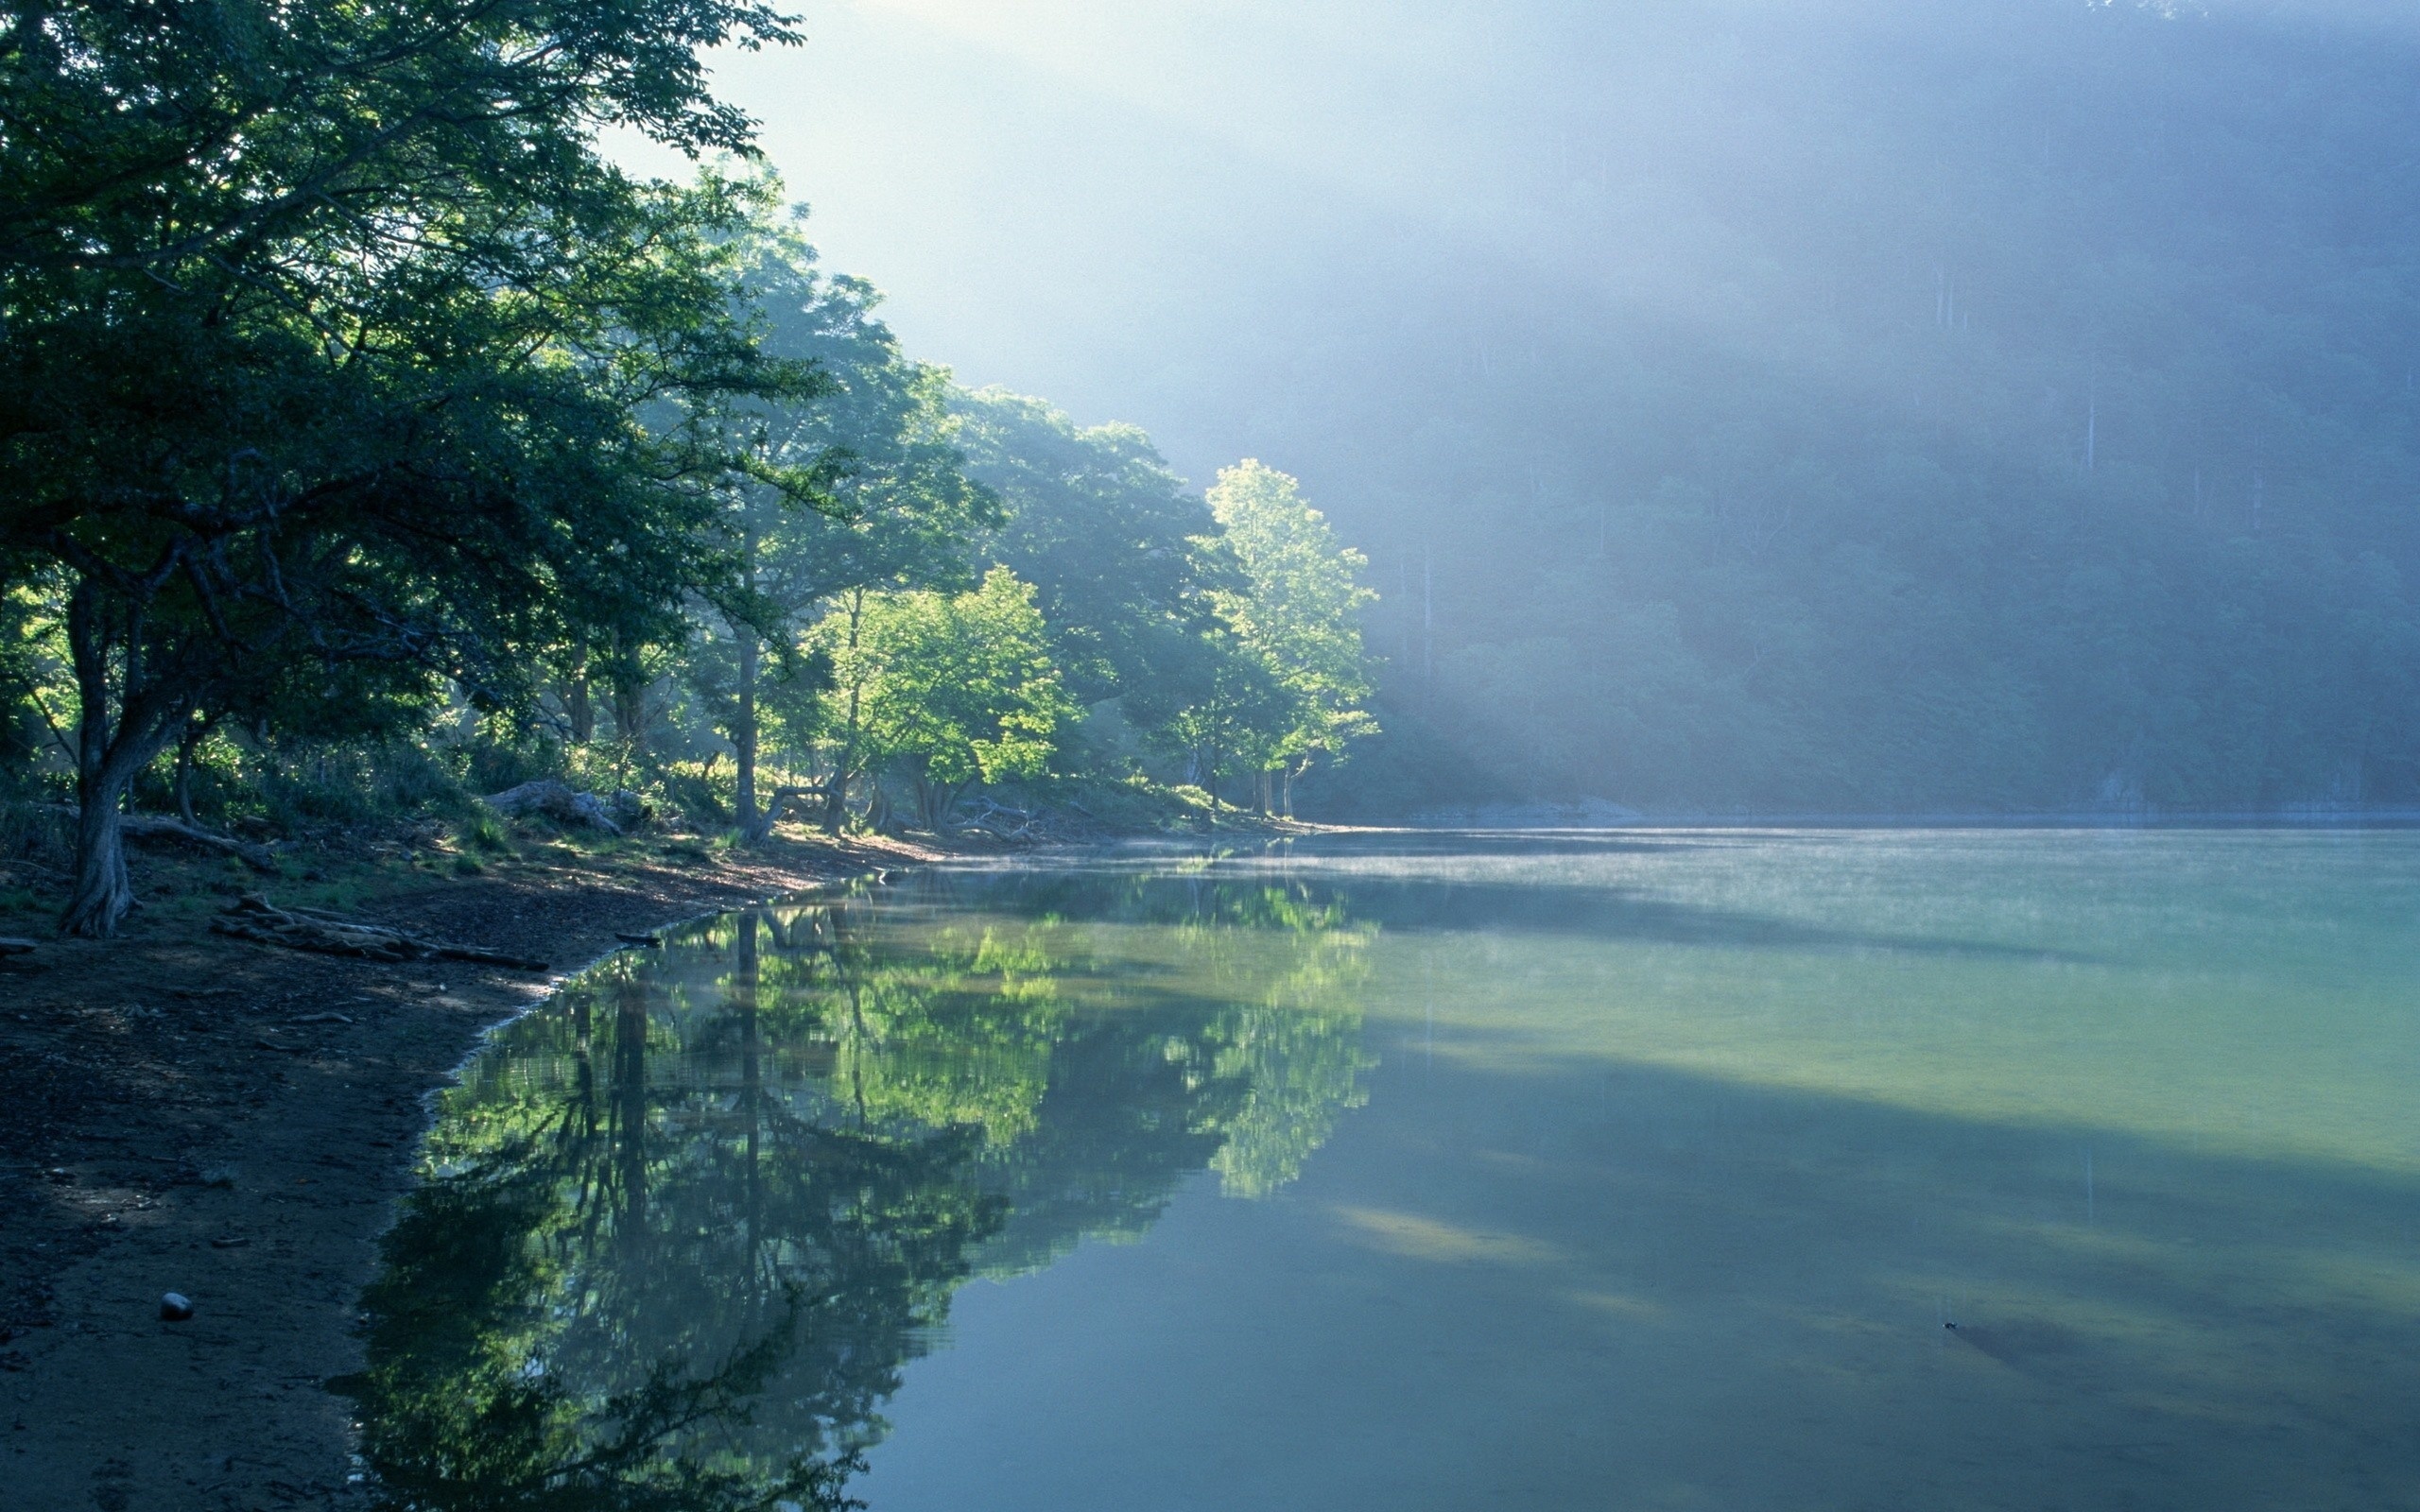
<point x="175" y="1307"/>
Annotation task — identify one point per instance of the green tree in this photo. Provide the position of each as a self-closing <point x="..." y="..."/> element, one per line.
<point x="1297" y="613"/>
<point x="950" y="688"/>
<point x="328" y="332"/>
<point x="893" y="507"/>
<point x="1110" y="538"/>
<point x="1215" y="705"/>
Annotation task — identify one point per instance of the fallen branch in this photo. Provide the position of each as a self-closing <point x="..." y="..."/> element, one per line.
<point x="1006" y="824"/>
<point x="783" y="796"/>
<point x="157" y="827"/>
<point x="254" y="918"/>
<point x="16" y="947"/>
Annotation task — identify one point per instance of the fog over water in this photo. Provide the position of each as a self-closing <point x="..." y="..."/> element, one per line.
<point x="1897" y="406"/>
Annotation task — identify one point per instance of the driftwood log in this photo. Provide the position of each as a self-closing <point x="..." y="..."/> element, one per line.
<point x="155" y="827"/>
<point x="15" y="947"/>
<point x="254" y="918"/>
<point x="561" y="803"/>
<point x="1004" y="823"/>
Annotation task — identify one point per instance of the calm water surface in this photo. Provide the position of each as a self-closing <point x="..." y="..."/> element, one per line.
<point x="1576" y="1170"/>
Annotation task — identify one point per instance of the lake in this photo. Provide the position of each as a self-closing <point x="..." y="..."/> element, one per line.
<point x="1724" y="1169"/>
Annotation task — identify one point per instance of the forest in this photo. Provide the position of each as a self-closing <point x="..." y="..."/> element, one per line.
<point x="1900" y="411"/>
<point x="374" y="442"/>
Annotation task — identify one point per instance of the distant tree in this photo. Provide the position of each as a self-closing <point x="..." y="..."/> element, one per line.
<point x="953" y="688"/>
<point x="1107" y="534"/>
<point x="1217" y="706"/>
<point x="1297" y="613"/>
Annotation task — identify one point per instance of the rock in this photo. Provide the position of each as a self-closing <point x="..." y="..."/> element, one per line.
<point x="175" y="1307"/>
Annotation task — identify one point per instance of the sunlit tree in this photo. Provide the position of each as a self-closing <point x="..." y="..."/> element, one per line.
<point x="950" y="689"/>
<point x="1297" y="613"/>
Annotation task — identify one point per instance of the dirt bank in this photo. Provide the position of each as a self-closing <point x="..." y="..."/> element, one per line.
<point x="181" y="1111"/>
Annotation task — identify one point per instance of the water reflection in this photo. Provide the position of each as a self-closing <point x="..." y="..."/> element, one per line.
<point x="1680" y="1158"/>
<point x="682" y="1228"/>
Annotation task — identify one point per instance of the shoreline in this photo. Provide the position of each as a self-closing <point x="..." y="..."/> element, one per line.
<point x="234" y="1122"/>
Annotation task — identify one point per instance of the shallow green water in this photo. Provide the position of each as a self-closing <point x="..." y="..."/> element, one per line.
<point x="1621" y="1170"/>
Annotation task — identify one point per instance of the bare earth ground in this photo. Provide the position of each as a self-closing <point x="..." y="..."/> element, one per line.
<point x="169" y="1122"/>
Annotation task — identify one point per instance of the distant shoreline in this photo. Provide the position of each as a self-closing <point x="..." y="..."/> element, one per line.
<point x="1545" y="818"/>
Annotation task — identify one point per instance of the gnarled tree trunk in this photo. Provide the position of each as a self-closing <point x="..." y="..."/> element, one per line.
<point x="114" y="739"/>
<point x="103" y="893"/>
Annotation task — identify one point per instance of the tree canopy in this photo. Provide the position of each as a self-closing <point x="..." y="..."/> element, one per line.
<point x="327" y="334"/>
<point x="355" y="398"/>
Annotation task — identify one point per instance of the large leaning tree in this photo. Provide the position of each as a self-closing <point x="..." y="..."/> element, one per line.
<point x="335" y="358"/>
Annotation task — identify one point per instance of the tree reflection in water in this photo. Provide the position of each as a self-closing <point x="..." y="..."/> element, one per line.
<point x="682" y="1228"/>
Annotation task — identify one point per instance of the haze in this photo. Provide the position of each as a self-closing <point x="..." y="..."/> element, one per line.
<point x="1786" y="406"/>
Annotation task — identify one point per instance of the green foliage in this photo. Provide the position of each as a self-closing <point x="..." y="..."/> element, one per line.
<point x="868" y="452"/>
<point x="954" y="688"/>
<point x="369" y="441"/>
<point x="328" y="330"/>
<point x="1272" y="679"/>
<point x="1107" y="534"/>
<point x="1297" y="613"/>
<point x="485" y="833"/>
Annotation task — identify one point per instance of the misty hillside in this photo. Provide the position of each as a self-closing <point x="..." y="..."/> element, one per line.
<point x="1898" y="406"/>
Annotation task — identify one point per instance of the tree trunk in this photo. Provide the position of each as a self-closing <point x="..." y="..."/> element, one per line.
<point x="629" y="713"/>
<point x="835" y="801"/>
<point x="109" y="754"/>
<point x="944" y="802"/>
<point x="579" y="703"/>
<point x="630" y="698"/>
<point x="103" y="893"/>
<point x="844" y="766"/>
<point x="195" y="733"/>
<point x="744" y="734"/>
<point x="752" y="824"/>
